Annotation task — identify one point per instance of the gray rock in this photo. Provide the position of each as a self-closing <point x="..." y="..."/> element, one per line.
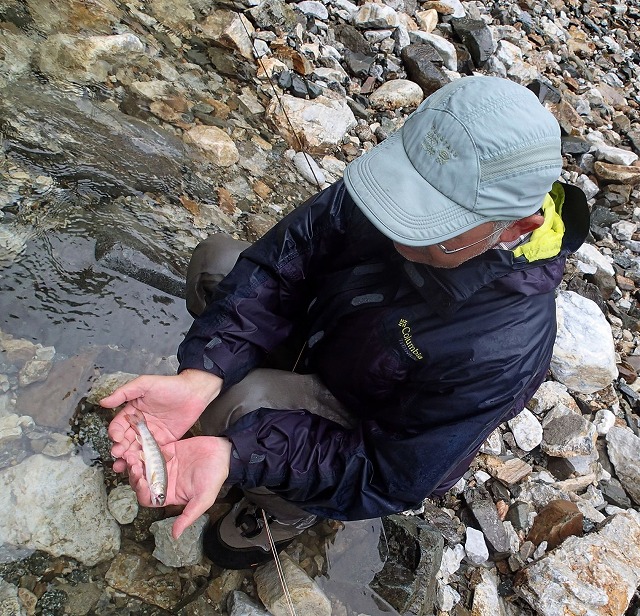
<point x="484" y="510"/>
<point x="596" y="574"/>
<point x="187" y="550"/>
<point x="123" y="504"/>
<point x="623" y="447"/>
<point x="82" y="527"/>
<point x="408" y="578"/>
<point x="567" y="435"/>
<point x="306" y="595"/>
<point x="422" y="64"/>
<point x="239" y="604"/>
<point x="10" y="604"/>
<point x="397" y="94"/>
<point x="476" y="37"/>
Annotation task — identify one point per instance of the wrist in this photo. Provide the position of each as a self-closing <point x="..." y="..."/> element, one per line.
<point x="203" y="384"/>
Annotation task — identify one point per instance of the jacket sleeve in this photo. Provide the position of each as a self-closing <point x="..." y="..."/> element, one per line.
<point x="370" y="471"/>
<point x="269" y="287"/>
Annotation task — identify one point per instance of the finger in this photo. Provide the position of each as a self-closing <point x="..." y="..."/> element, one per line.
<point x="193" y="510"/>
<point x="132" y="390"/>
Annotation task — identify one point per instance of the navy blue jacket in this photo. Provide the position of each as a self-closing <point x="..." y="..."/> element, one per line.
<point x="429" y="361"/>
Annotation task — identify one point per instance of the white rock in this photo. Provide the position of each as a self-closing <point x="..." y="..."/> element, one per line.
<point x="617" y="156"/>
<point x="604" y="421"/>
<point x="588" y="253"/>
<point x="396" y="94"/>
<point x="81" y="528"/>
<point x="182" y="552"/>
<point x="215" y="143"/>
<point x="313" y="8"/>
<point x="123" y="504"/>
<point x="229" y="29"/>
<point x="588" y="186"/>
<point x="549" y="395"/>
<point x="486" y="600"/>
<point x="456" y="6"/>
<point x="10" y="604"/>
<point x="427" y="20"/>
<point x="450" y="563"/>
<point x="320" y="123"/>
<point x="446" y="597"/>
<point x="475" y="547"/>
<point x="584" y="353"/>
<point x="508" y="53"/>
<point x="596" y="574"/>
<point x="10" y="429"/>
<point x="372" y="15"/>
<point x="87" y="59"/>
<point x="526" y="430"/>
<point x="623" y="229"/>
<point x="308" y="169"/>
<point x="306" y="595"/>
<point x="494" y="444"/>
<point x="623" y="447"/>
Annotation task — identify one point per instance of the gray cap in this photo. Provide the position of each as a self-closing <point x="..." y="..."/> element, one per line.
<point x="479" y="149"/>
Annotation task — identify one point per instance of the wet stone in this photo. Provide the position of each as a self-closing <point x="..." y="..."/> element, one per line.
<point x="408" y="578"/>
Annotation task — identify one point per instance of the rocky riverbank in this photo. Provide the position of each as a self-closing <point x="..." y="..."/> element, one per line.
<point x="169" y="120"/>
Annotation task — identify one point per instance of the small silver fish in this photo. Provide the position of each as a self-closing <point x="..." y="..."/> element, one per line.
<point x="155" y="467"/>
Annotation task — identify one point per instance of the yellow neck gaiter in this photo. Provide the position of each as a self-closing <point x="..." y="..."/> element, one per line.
<point x="545" y="242"/>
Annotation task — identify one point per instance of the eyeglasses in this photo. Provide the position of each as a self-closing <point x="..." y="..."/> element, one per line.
<point x="450" y="251"/>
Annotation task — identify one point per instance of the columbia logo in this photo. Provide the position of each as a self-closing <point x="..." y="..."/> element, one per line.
<point x="437" y="146"/>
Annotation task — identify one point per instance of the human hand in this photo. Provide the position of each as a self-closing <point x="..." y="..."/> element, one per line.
<point x="171" y="405"/>
<point x="196" y="469"/>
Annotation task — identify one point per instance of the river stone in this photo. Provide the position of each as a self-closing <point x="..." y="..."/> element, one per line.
<point x="215" y="143"/>
<point x="583" y="354"/>
<point x="305" y="594"/>
<point x="375" y="16"/>
<point x="567" y="434"/>
<point x="229" y="29"/>
<point x="408" y="579"/>
<point x="239" y="604"/>
<point x="484" y="511"/>
<point x="486" y="598"/>
<point x="187" y="550"/>
<point x="526" y="430"/>
<point x="396" y="94"/>
<point x="623" y="447"/>
<point x="595" y="575"/>
<point x="88" y="59"/>
<point x="320" y="123"/>
<point x="588" y="253"/>
<point x="10" y="604"/>
<point x="476" y="37"/>
<point x="106" y="384"/>
<point x="81" y="528"/>
<point x="137" y="575"/>
<point x="123" y="504"/>
<point x="555" y="522"/>
<point x="422" y="63"/>
<point x="71" y="16"/>
<point x="475" y="547"/>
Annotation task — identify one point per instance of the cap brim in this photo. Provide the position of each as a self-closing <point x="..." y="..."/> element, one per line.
<point x="400" y="202"/>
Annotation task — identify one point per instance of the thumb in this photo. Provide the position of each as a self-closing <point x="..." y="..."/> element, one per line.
<point x="130" y="391"/>
<point x="192" y="511"/>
